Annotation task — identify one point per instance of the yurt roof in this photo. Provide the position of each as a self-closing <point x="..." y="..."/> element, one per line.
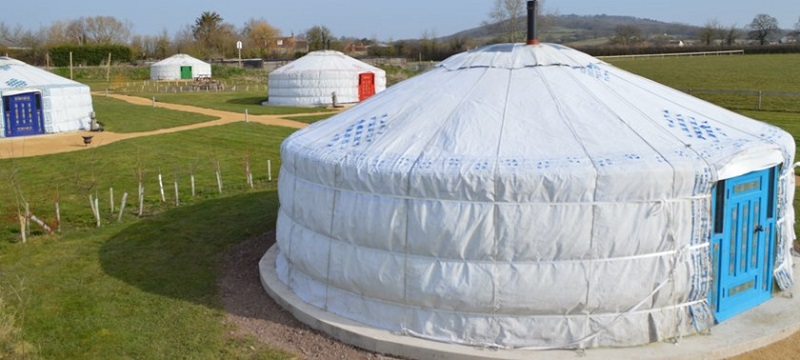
<point x="326" y="60"/>
<point x="546" y="104"/>
<point x="17" y="74"/>
<point x="179" y="59"/>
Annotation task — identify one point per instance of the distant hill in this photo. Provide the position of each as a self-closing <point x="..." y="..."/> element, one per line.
<point x="583" y="29"/>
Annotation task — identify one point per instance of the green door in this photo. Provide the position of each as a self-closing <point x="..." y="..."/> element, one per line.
<point x="186" y="72"/>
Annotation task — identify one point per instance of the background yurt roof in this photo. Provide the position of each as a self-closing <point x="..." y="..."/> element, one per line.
<point x="17" y="74"/>
<point x="326" y="60"/>
<point x="179" y="59"/>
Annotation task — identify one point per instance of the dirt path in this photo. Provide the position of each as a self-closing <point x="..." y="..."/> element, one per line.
<point x="73" y="141"/>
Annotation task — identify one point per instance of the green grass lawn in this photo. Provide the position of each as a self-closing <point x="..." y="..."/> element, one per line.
<point x="146" y="287"/>
<point x="308" y="119"/>
<point x="766" y="73"/>
<point x="730" y="72"/>
<point x="233" y="101"/>
<point x="122" y="117"/>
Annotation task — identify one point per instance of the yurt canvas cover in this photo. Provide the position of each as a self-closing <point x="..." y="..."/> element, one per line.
<point x="180" y="67"/>
<point x="34" y="101"/>
<point x="526" y="196"/>
<point x="312" y="79"/>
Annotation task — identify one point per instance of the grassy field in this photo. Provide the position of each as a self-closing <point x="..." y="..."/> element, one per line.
<point x="766" y="73"/>
<point x="146" y="287"/>
<point x="117" y="117"/>
<point x="233" y="101"/>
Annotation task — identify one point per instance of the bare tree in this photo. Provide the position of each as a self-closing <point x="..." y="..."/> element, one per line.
<point x="319" y="38"/>
<point x="708" y="31"/>
<point x="107" y="30"/>
<point x="509" y="16"/>
<point x="259" y="36"/>
<point x="76" y="30"/>
<point x="731" y="34"/>
<point x="796" y="31"/>
<point x="4" y="33"/>
<point x="763" y="28"/>
<point x="627" y="35"/>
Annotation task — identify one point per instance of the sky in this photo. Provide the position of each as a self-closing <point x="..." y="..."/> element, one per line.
<point x="380" y="19"/>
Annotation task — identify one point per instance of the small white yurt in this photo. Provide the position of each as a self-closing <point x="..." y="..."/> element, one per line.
<point x="313" y="79"/>
<point x="180" y="67"/>
<point x="35" y="101"/>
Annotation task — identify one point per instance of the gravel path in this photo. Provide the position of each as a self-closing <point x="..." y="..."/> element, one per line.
<point x="254" y="313"/>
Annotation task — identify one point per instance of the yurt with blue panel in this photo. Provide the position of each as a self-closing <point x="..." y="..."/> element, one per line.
<point x="533" y="196"/>
<point x="35" y="101"/>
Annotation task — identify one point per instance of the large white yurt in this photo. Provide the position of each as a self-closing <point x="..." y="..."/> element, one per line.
<point x="35" y="101"/>
<point x="180" y="67"/>
<point x="524" y="196"/>
<point x="312" y="79"/>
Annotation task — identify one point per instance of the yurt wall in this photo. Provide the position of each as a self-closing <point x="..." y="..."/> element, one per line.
<point x="314" y="79"/>
<point x="34" y="101"/>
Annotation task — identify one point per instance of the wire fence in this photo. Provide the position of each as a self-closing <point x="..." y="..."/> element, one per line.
<point x="177" y="86"/>
<point x="750" y="99"/>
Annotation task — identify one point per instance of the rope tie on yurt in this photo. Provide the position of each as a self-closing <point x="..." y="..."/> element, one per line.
<point x="579" y="344"/>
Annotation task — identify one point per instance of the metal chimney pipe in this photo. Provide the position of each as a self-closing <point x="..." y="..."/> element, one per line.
<point x="532" y="12"/>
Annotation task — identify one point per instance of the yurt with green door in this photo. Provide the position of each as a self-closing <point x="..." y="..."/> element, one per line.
<point x="36" y="101"/>
<point x="180" y="67"/>
<point x="533" y="196"/>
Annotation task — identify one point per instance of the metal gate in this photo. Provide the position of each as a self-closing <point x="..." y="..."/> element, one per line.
<point x="366" y="85"/>
<point x="743" y="242"/>
<point x="22" y="114"/>
<point x="186" y="72"/>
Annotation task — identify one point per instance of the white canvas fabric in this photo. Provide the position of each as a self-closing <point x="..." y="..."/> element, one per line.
<point x="170" y="68"/>
<point x="67" y="104"/>
<point x="310" y="80"/>
<point x="519" y="197"/>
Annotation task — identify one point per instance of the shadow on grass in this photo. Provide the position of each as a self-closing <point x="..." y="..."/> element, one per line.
<point x="252" y="100"/>
<point x="178" y="253"/>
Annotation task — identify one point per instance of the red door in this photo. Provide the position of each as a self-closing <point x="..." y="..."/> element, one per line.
<point x="366" y="85"/>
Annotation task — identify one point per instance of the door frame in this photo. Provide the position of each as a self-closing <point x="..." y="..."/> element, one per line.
<point x="744" y="212"/>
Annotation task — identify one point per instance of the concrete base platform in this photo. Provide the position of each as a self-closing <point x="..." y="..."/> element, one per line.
<point x="758" y="327"/>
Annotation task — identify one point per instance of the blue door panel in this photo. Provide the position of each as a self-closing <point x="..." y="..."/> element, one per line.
<point x="742" y="242"/>
<point x="22" y="114"/>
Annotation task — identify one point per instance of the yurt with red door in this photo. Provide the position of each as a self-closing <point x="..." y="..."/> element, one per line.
<point x="314" y="79"/>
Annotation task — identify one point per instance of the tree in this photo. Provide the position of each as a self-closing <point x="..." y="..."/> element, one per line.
<point x="763" y="28"/>
<point x="259" y="35"/>
<point x="509" y="16"/>
<point x="627" y="35"/>
<point x="106" y="30"/>
<point x="319" y="38"/>
<point x="731" y="34"/>
<point x="206" y="27"/>
<point x="213" y="37"/>
<point x="796" y="31"/>
<point x="707" y="33"/>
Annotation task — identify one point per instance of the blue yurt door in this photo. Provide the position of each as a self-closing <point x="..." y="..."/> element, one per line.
<point x="742" y="242"/>
<point x="22" y="114"/>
